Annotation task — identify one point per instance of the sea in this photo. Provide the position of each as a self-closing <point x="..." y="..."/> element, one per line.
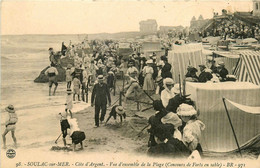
<point x="23" y="57"/>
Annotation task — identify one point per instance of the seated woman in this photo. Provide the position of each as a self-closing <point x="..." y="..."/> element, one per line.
<point x="166" y="144"/>
<point x="167" y="94"/>
<point x="193" y="128"/>
<point x="191" y="74"/>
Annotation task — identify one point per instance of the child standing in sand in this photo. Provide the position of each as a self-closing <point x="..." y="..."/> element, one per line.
<point x="64" y="125"/>
<point x="10" y="124"/>
<point x="68" y="76"/>
<point x="68" y="103"/>
<point x="76" y="88"/>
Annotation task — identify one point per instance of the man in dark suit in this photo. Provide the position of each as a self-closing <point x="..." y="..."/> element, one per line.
<point x="204" y="75"/>
<point x="100" y="94"/>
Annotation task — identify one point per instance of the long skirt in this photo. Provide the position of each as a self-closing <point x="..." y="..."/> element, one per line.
<point x="148" y="82"/>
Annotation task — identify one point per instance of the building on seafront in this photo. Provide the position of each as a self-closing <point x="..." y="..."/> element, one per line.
<point x="148" y="26"/>
<point x="256" y="8"/>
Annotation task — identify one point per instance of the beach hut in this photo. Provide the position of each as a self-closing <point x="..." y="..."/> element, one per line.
<point x="150" y="47"/>
<point x="218" y="135"/>
<point x="230" y="59"/>
<point x="183" y="55"/>
<point x="248" y="67"/>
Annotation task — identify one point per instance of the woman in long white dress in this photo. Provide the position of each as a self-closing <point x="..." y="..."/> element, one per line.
<point x="148" y="77"/>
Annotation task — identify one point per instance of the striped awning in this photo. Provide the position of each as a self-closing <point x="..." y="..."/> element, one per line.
<point x="248" y="68"/>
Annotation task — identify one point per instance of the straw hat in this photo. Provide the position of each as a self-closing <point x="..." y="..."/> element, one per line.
<point x="173" y="119"/>
<point x="168" y="81"/>
<point x="120" y="110"/>
<point x="69" y="91"/>
<point x="100" y="77"/>
<point x="149" y="61"/>
<point x="10" y="108"/>
<point x="186" y="110"/>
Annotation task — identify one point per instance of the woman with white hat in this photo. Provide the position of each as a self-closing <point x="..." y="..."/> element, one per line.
<point x="192" y="130"/>
<point x="167" y="94"/>
<point x="10" y="124"/>
<point x="148" y="77"/>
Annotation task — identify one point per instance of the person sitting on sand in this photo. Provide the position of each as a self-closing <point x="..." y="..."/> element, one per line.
<point x="10" y="124"/>
<point x="64" y="124"/>
<point x="52" y="73"/>
<point x="166" y="145"/>
<point x="76" y="88"/>
<point x="117" y="109"/>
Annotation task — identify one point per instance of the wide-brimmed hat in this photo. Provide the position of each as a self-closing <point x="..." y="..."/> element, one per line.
<point x="186" y="110"/>
<point x="168" y="81"/>
<point x="100" y="77"/>
<point x="69" y="91"/>
<point x="69" y="66"/>
<point x="149" y="61"/>
<point x="10" y="108"/>
<point x="221" y="63"/>
<point x="120" y="110"/>
<point x="173" y="119"/>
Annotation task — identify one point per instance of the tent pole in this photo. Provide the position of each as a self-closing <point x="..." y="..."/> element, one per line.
<point x="229" y="119"/>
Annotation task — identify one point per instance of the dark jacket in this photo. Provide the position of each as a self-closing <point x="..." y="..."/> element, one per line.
<point x="223" y="74"/>
<point x="100" y="94"/>
<point x="205" y="76"/>
<point x="166" y="71"/>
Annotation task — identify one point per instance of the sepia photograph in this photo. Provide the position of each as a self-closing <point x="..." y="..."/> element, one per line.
<point x="138" y="83"/>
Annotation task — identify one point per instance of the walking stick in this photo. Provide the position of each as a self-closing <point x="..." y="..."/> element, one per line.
<point x="229" y="119"/>
<point x="58" y="138"/>
<point x="180" y="84"/>
<point x="143" y="130"/>
<point x="147" y="109"/>
<point x="87" y="89"/>
<point x="148" y="95"/>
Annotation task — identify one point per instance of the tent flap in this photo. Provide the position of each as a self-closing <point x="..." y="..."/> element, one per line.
<point x="248" y="109"/>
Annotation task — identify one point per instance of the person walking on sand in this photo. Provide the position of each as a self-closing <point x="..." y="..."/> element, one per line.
<point x="76" y="88"/>
<point x="10" y="124"/>
<point x="68" y="75"/>
<point x="100" y="94"/>
<point x="52" y="73"/>
<point x="68" y="103"/>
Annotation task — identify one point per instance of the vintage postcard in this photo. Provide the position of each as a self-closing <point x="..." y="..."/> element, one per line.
<point x="140" y="83"/>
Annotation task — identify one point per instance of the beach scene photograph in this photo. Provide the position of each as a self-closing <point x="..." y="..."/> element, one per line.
<point x="130" y="83"/>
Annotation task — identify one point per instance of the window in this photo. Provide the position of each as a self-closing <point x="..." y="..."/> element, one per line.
<point x="256" y="6"/>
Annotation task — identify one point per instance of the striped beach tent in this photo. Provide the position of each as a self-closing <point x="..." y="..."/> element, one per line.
<point x="248" y="67"/>
<point x="184" y="55"/>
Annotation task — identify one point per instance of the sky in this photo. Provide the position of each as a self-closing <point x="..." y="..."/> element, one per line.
<point x="88" y="17"/>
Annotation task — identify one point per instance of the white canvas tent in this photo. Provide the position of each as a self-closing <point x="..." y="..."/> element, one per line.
<point x="183" y="55"/>
<point x="218" y="135"/>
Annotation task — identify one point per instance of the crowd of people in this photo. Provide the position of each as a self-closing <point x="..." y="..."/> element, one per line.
<point x="175" y="128"/>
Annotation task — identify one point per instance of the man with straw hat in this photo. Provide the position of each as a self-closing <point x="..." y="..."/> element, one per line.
<point x="117" y="110"/>
<point x="10" y="124"/>
<point x="100" y="94"/>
